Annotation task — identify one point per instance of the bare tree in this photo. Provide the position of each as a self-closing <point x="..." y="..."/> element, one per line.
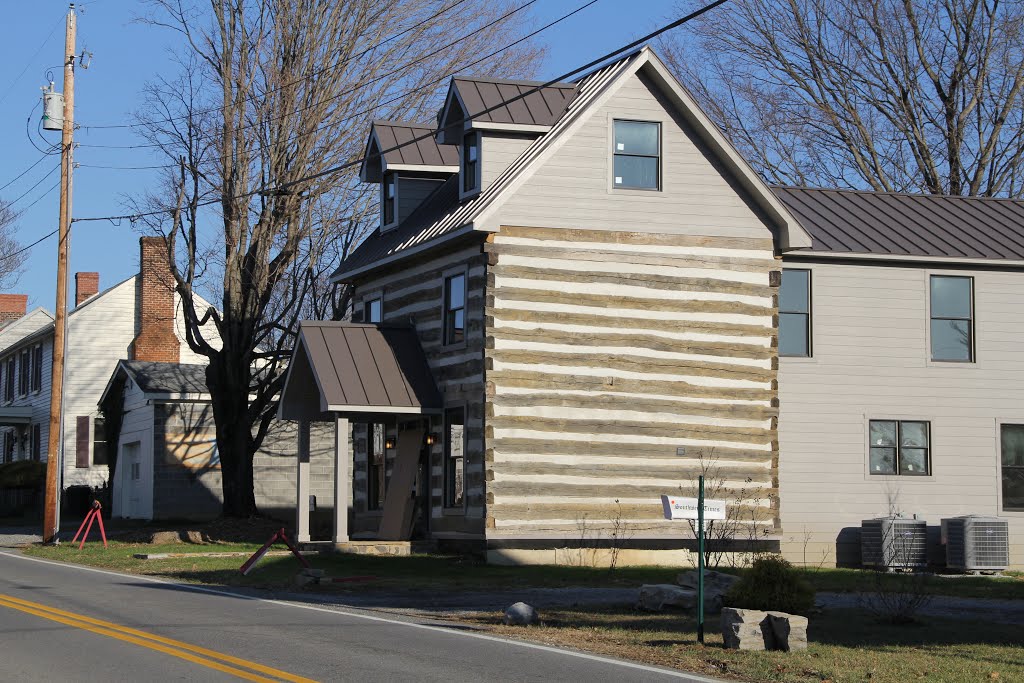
<point x="273" y="95"/>
<point x="11" y="266"/>
<point x="891" y="95"/>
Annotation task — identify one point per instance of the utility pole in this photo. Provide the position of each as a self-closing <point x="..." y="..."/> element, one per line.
<point x="54" y="445"/>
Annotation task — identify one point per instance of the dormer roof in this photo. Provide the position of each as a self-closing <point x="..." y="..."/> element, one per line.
<point x="469" y="103"/>
<point x="389" y="149"/>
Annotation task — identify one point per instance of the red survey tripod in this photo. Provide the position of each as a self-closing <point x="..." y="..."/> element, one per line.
<point x="94" y="515"/>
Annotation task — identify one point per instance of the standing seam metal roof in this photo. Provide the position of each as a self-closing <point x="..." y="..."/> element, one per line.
<point x="862" y="222"/>
<point x="425" y="151"/>
<point x="369" y="366"/>
<point x="541" y="107"/>
<point x="441" y="213"/>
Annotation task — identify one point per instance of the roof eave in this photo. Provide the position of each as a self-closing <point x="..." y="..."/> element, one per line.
<point x="341" y="276"/>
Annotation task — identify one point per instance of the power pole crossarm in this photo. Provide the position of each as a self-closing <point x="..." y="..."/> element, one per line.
<point x="54" y="460"/>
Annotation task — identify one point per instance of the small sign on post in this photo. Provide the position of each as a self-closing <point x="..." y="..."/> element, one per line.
<point x="699" y="508"/>
<point x="677" y="507"/>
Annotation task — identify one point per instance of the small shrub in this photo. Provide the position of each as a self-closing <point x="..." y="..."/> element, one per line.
<point x="771" y="584"/>
<point x="22" y="474"/>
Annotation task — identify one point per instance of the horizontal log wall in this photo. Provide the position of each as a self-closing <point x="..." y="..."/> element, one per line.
<point x="607" y="354"/>
<point x="414" y="295"/>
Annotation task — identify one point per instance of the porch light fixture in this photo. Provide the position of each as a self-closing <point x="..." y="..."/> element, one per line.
<point x="432" y="439"/>
<point x="389" y="444"/>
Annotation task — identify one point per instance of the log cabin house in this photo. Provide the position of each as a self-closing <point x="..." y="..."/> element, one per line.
<point x="581" y="296"/>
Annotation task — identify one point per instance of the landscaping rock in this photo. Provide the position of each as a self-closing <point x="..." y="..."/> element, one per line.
<point x="521" y="614"/>
<point x="789" y="631"/>
<point x="746" y="629"/>
<point x="309" y="576"/>
<point x="659" y="596"/>
<point x="714" y="582"/>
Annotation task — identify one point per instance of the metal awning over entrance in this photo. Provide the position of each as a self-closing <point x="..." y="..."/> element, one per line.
<point x="11" y="416"/>
<point x="364" y="373"/>
<point x="357" y="371"/>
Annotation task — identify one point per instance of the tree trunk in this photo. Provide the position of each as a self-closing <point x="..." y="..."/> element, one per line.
<point x="231" y="416"/>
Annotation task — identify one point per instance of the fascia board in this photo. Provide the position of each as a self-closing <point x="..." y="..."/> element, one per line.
<point x="793" y="235"/>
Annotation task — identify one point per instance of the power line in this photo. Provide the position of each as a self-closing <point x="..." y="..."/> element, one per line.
<point x="403" y="94"/>
<point x="314" y="74"/>
<point x="38" y="183"/>
<point x="18" y="177"/>
<point x="43" y="195"/>
<point x="341" y="94"/>
<point x="29" y="246"/>
<point x="340" y="167"/>
<point x="10" y="86"/>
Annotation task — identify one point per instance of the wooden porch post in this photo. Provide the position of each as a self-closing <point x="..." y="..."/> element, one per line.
<point x="302" y="485"/>
<point x="342" y="456"/>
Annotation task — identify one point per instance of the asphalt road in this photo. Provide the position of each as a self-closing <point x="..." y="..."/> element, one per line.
<point x="61" y="622"/>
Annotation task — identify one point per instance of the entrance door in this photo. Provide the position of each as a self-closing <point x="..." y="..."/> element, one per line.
<point x="131" y="480"/>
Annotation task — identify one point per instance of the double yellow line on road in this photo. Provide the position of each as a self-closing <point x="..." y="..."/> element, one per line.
<point x="242" y="668"/>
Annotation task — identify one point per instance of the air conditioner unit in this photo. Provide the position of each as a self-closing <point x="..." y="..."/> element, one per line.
<point x="976" y="543"/>
<point x="894" y="543"/>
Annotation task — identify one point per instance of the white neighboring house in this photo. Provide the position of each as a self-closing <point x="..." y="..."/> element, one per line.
<point x="139" y="318"/>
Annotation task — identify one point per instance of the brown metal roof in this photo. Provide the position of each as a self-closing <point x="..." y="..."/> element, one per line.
<point x="358" y="369"/>
<point x="540" y="108"/>
<point x="860" y="222"/>
<point x="425" y="151"/>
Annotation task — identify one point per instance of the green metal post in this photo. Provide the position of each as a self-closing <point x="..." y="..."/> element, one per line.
<point x="700" y="560"/>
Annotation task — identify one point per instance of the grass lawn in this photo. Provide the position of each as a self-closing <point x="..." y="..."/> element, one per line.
<point x="432" y="572"/>
<point x="846" y="645"/>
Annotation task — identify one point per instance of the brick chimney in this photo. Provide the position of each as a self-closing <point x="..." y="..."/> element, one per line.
<point x="156" y="340"/>
<point x="86" y="285"/>
<point x="12" y="306"/>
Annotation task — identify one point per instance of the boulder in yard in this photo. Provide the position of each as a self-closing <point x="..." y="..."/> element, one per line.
<point x="714" y="582"/>
<point x="656" y="597"/>
<point x="745" y="629"/>
<point x="789" y="631"/>
<point x="521" y="614"/>
<point x="309" y="576"/>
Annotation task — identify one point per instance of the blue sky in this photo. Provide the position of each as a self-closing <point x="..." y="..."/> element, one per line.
<point x="126" y="56"/>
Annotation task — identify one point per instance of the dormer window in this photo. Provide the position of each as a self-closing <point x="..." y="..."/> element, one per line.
<point x="470" y="162"/>
<point x="637" y="153"/>
<point x="388" y="201"/>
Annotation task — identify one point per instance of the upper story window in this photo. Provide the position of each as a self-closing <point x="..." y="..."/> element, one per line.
<point x="389" y="200"/>
<point x="9" y="380"/>
<point x="470" y="162"/>
<point x="37" y="368"/>
<point x="899" y="447"/>
<point x="373" y="310"/>
<point x="455" y="309"/>
<point x="1011" y="444"/>
<point x="952" y="318"/>
<point x="24" y="372"/>
<point x="637" y="151"/>
<point x="795" y="313"/>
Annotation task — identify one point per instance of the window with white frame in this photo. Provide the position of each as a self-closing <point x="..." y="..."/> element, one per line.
<point x="795" y="313"/>
<point x="455" y="309"/>
<point x="952" y="318"/>
<point x="454" y="457"/>
<point x="1011" y="460"/>
<point x="637" y="155"/>
<point x="9" y="379"/>
<point x="24" y="372"/>
<point x="37" y="368"/>
<point x="470" y="162"/>
<point x="376" y="463"/>
<point x="389" y="200"/>
<point x="899" y="447"/>
<point x="373" y="310"/>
